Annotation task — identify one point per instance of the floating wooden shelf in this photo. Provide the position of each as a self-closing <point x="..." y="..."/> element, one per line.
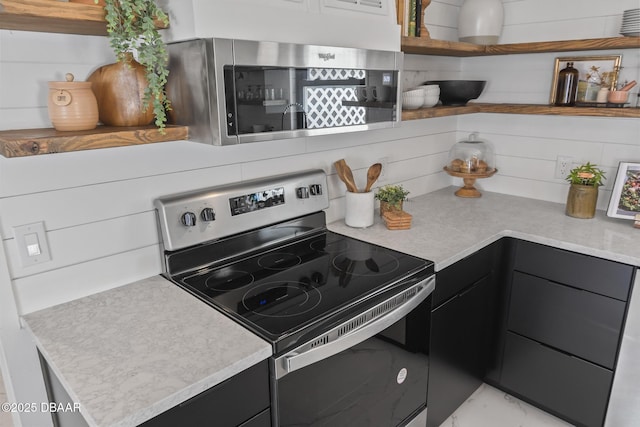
<point x="533" y="109"/>
<point x="29" y="142"/>
<point x="54" y="17"/>
<point x="426" y="46"/>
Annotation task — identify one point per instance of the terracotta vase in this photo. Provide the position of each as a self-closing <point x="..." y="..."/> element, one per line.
<point x="387" y="207"/>
<point x="119" y="89"/>
<point x="581" y="201"/>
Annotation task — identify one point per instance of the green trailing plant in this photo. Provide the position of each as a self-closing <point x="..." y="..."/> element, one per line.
<point x="132" y="28"/>
<point x="586" y="174"/>
<point x="392" y="194"/>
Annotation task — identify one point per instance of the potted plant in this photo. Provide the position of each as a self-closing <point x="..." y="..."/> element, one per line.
<point x="583" y="193"/>
<point x="132" y="27"/>
<point x="391" y="198"/>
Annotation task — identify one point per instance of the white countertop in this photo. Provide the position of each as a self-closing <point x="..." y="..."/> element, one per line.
<point x="130" y="353"/>
<point x="446" y="228"/>
<point x="133" y="352"/>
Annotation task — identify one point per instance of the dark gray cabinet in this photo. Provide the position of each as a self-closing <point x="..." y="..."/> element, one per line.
<point x="538" y="322"/>
<point x="461" y="329"/>
<point x="571" y="320"/>
<point x="561" y="337"/>
<point x="241" y="401"/>
<point x="560" y="383"/>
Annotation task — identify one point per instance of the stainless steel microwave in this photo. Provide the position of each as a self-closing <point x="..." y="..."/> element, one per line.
<point x="236" y="91"/>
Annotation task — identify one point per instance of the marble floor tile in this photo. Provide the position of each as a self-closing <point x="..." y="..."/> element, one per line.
<point x="490" y="407"/>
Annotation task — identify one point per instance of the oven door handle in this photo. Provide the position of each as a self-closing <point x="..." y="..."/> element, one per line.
<point x="308" y="354"/>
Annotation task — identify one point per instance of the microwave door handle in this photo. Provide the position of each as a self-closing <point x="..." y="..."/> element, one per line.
<point x="298" y="360"/>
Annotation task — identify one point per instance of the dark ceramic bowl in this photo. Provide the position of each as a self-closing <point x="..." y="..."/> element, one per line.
<point x="458" y="92"/>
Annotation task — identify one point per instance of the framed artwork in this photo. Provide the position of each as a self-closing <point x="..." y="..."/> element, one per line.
<point x="625" y="198"/>
<point x="594" y="73"/>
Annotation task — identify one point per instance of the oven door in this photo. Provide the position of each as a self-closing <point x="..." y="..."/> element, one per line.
<point x="369" y="371"/>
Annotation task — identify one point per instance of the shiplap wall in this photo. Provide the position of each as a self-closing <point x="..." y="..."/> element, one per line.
<point x="97" y="205"/>
<point x="527" y="146"/>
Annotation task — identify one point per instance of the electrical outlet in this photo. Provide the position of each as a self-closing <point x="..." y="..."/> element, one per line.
<point x="384" y="161"/>
<point x="563" y="166"/>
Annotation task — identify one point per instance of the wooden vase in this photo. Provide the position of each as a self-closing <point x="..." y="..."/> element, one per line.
<point x="119" y="89"/>
<point x="100" y="3"/>
<point x="388" y="207"/>
<point x="581" y="201"/>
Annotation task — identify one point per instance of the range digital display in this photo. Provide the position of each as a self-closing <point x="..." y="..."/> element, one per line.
<point x="256" y="201"/>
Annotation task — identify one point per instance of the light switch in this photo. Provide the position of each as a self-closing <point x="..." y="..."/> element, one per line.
<point x="31" y="241"/>
<point x="33" y="245"/>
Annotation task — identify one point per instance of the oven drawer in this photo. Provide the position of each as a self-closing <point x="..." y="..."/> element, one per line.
<point x="564" y="385"/>
<point x="578" y="322"/>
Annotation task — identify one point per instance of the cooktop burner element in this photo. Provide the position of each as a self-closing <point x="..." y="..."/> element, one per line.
<point x="281" y="299"/>
<point x="227" y="279"/>
<point x="365" y="263"/>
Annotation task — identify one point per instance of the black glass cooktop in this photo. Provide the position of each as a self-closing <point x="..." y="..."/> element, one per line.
<point x="282" y="290"/>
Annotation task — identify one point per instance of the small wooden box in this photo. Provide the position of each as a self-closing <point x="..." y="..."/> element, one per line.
<point x="397" y="220"/>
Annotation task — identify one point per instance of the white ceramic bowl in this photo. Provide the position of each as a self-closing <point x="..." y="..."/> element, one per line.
<point x="430" y="100"/>
<point x="413" y="92"/>
<point x="430" y="88"/>
<point x="411" y="101"/>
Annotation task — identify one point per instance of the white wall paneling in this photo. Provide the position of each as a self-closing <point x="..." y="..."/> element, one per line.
<point x="527" y="148"/>
<point x="441" y="19"/>
<point x="544" y="20"/>
<point x="57" y="286"/>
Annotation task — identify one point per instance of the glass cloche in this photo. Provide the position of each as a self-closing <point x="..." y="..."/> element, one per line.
<point x="471" y="159"/>
<point x="473" y="156"/>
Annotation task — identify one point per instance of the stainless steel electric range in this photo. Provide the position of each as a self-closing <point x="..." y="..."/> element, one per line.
<point x="348" y="320"/>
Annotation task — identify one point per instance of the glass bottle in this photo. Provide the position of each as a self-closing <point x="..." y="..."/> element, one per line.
<point x="567" y="86"/>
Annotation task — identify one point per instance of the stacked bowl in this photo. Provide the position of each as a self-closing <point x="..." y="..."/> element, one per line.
<point x="421" y="96"/>
<point x="412" y="99"/>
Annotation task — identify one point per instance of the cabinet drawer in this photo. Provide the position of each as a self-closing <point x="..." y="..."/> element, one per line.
<point x="227" y="404"/>
<point x="567" y="386"/>
<point x="578" y="322"/>
<point x="581" y="271"/>
<point x="463" y="274"/>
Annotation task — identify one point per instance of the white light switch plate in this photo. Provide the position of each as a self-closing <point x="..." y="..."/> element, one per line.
<point x="31" y="240"/>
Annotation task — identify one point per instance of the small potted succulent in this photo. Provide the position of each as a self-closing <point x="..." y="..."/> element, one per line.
<point x="391" y="198"/>
<point x="583" y="193"/>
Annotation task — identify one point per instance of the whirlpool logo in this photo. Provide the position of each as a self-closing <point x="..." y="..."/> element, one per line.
<point x="327" y="56"/>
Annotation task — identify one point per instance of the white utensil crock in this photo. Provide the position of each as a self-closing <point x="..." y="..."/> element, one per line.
<point x="359" y="209"/>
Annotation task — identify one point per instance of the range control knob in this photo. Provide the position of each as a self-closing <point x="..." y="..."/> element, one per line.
<point x="208" y="215"/>
<point x="188" y="219"/>
<point x="316" y="189"/>
<point x="302" y="192"/>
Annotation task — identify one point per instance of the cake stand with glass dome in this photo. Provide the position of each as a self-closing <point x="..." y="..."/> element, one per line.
<point x="471" y="159"/>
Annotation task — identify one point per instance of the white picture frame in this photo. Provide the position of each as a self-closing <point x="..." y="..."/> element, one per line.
<point x="627" y="182"/>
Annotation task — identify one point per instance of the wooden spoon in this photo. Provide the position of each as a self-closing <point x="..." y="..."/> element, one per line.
<point x="372" y="175"/>
<point x="346" y="175"/>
